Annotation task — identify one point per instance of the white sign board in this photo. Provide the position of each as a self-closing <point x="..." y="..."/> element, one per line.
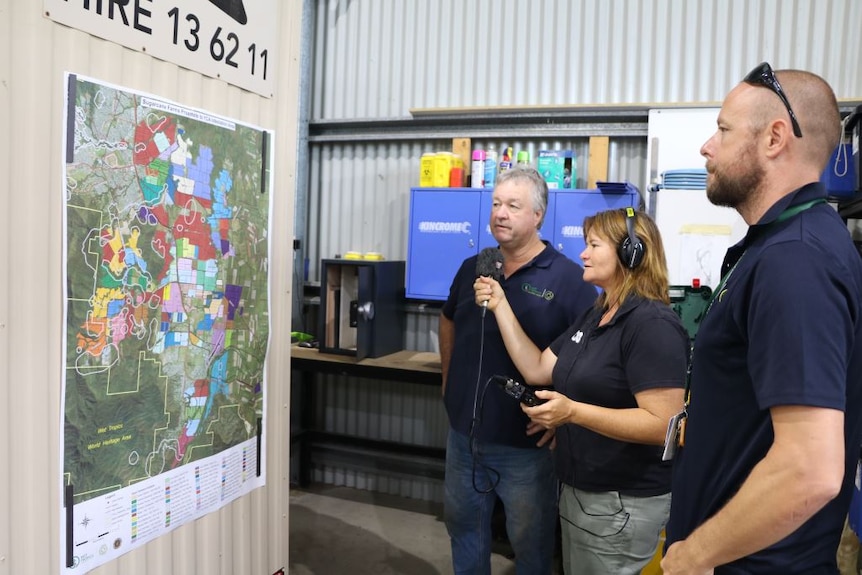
<point x="232" y="40"/>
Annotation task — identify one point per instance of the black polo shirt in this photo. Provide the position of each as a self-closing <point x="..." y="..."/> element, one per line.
<point x="644" y="346"/>
<point x="785" y="330"/>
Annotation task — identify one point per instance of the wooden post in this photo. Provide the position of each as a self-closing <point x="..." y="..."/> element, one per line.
<point x="597" y="169"/>
<point x="461" y="147"/>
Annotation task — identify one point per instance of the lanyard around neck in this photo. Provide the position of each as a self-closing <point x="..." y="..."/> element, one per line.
<point x="783" y="216"/>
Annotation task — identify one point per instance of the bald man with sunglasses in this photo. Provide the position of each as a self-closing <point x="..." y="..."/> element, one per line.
<point x="769" y="439"/>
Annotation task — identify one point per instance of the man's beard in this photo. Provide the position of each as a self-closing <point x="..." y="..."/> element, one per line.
<point x="735" y="185"/>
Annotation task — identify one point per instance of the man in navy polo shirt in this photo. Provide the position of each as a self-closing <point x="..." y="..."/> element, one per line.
<point x="763" y="479"/>
<point x="488" y="453"/>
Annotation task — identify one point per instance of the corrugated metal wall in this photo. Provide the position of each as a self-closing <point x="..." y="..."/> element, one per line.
<point x="482" y="54"/>
<point x="486" y="53"/>
<point x="450" y="53"/>
<point x="248" y="537"/>
<point x="381" y="410"/>
<point x="375" y="61"/>
<point x="360" y="191"/>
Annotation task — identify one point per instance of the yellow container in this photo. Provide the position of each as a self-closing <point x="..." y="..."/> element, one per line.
<point x="427" y="165"/>
<point x="442" y="165"/>
<point x="654" y="566"/>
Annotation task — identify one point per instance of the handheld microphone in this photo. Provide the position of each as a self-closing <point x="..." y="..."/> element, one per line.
<point x="489" y="264"/>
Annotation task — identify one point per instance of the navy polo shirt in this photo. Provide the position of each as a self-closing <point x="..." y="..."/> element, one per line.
<point x="785" y="330"/>
<point x="644" y="346"/>
<point x="547" y="295"/>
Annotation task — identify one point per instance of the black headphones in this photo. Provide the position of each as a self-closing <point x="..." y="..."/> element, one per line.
<point x="631" y="249"/>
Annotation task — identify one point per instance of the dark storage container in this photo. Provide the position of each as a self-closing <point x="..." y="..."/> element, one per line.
<point x="361" y="307"/>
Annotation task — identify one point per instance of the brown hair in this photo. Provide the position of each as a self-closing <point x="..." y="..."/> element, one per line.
<point x="649" y="279"/>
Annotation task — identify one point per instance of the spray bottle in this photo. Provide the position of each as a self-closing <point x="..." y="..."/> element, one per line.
<point x="477" y="169"/>
<point x="506" y="159"/>
<point x="490" y="166"/>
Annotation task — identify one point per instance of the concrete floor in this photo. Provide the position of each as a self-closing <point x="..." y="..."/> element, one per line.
<point x="343" y="531"/>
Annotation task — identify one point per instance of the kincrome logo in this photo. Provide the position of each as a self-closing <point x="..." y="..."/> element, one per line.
<point x="545" y="294"/>
<point x="445" y="227"/>
<point x="572" y="231"/>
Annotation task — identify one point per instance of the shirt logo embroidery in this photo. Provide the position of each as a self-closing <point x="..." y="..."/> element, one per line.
<point x="545" y="294"/>
<point x="577" y="337"/>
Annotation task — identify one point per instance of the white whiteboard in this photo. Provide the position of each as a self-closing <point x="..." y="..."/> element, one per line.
<point x="679" y="134"/>
<point x="695" y="233"/>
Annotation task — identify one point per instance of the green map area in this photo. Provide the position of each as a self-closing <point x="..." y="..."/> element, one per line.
<point x="167" y="321"/>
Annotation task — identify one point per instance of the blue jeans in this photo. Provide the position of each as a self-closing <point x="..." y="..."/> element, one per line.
<point x="606" y="532"/>
<point x="524" y="481"/>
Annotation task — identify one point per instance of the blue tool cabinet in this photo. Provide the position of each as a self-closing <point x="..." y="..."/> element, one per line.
<point x="448" y="225"/>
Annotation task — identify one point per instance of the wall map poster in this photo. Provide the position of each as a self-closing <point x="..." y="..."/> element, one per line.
<point x="167" y="214"/>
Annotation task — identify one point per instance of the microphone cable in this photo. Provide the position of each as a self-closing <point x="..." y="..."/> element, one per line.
<point x="492" y="475"/>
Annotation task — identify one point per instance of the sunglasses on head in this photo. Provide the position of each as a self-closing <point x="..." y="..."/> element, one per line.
<point x="763" y="75"/>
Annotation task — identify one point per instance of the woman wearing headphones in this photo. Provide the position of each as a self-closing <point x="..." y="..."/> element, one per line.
<point x="618" y="375"/>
